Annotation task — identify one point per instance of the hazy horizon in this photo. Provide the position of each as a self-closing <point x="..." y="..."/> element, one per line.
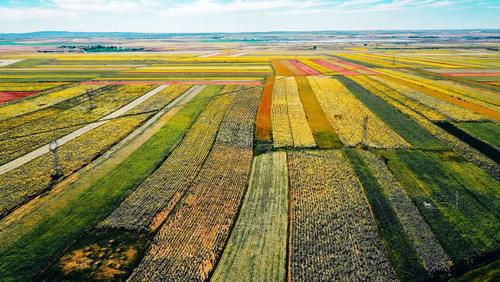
<point x="236" y="16"/>
<point x="266" y="31"/>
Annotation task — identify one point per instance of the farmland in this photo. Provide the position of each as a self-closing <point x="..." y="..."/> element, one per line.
<point x="231" y="161"/>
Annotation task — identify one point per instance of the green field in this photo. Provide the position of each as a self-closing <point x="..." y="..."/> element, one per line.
<point x="464" y="225"/>
<point x="404" y="126"/>
<point x="34" y="251"/>
<point x="257" y="246"/>
<point x="408" y="267"/>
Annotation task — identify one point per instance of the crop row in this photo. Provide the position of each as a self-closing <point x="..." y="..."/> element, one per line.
<point x="487" y="107"/>
<point x="478" y="89"/>
<point x="282" y="133"/>
<point x="301" y="132"/>
<point x="467" y="94"/>
<point x="304" y="69"/>
<point x="263" y="126"/>
<point x="65" y="216"/>
<point x="318" y="67"/>
<point x="408" y="129"/>
<point x="290" y="126"/>
<point x="69" y="118"/>
<point x="486" y="131"/>
<point x="197" y="70"/>
<point x="426" y="244"/>
<point x="323" y="133"/>
<point x="333" y="235"/>
<point x="35" y="86"/>
<point x="27" y="181"/>
<point x="378" y="88"/>
<point x="336" y="68"/>
<point x="41" y="101"/>
<point x="414" y="61"/>
<point x="399" y="103"/>
<point x="460" y="209"/>
<point x="346" y="115"/>
<point x="190" y="242"/>
<point x="401" y="226"/>
<point x="451" y="111"/>
<point x="256" y="249"/>
<point x="148" y="206"/>
<point x="280" y="69"/>
<point x="160" y="77"/>
<point x="369" y="62"/>
<point x="352" y="66"/>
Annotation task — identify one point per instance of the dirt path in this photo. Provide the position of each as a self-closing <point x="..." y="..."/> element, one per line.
<point x="5" y="62"/>
<point x="79" y="132"/>
<point x="22" y="220"/>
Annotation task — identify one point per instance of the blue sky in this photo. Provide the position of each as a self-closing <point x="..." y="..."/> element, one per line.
<point x="245" y="15"/>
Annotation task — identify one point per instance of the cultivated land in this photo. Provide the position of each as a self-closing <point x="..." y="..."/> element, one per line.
<point x="250" y="160"/>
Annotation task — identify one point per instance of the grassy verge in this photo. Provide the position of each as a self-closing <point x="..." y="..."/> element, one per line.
<point x="481" y="146"/>
<point x="399" y="248"/>
<point x="29" y="63"/>
<point x="467" y="229"/>
<point x="413" y="133"/>
<point x="257" y="247"/>
<point x="478" y="183"/>
<point x="487" y="131"/>
<point x="34" y="251"/>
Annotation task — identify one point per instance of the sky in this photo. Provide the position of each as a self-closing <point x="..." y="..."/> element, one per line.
<point x="245" y="15"/>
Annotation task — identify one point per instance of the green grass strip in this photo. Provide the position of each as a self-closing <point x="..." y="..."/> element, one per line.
<point x="487" y="131"/>
<point x="324" y="135"/>
<point x="488" y="272"/>
<point x="28" y="63"/>
<point x="413" y="133"/>
<point x="400" y="250"/>
<point x="256" y="249"/>
<point x="484" y="188"/>
<point x="467" y="229"/>
<point x="33" y="252"/>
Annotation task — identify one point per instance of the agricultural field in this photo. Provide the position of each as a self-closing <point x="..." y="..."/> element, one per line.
<point x="236" y="161"/>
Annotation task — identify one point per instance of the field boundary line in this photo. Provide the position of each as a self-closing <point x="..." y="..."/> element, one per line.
<point x="77" y="133"/>
<point x="132" y="142"/>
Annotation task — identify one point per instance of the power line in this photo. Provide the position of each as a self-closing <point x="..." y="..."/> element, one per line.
<point x="132" y="114"/>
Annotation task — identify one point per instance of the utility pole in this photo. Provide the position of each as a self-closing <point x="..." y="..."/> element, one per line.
<point x="53" y="147"/>
<point x="90" y="95"/>
<point x="365" y="128"/>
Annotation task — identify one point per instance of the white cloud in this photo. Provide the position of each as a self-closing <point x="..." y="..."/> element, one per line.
<point x="403" y="4"/>
<point x="16" y="14"/>
<point x="101" y="5"/>
<point x="52" y="9"/>
<point x="214" y="15"/>
<point x="358" y="2"/>
<point x="209" y="7"/>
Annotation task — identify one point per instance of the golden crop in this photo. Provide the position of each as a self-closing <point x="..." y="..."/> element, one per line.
<point x="190" y="243"/>
<point x="451" y="111"/>
<point x="346" y="115"/>
<point x="301" y="132"/>
<point x="333" y="235"/>
<point x="151" y="202"/>
<point x="282" y="132"/>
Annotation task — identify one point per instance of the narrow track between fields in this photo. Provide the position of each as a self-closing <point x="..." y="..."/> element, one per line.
<point x="61" y="141"/>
